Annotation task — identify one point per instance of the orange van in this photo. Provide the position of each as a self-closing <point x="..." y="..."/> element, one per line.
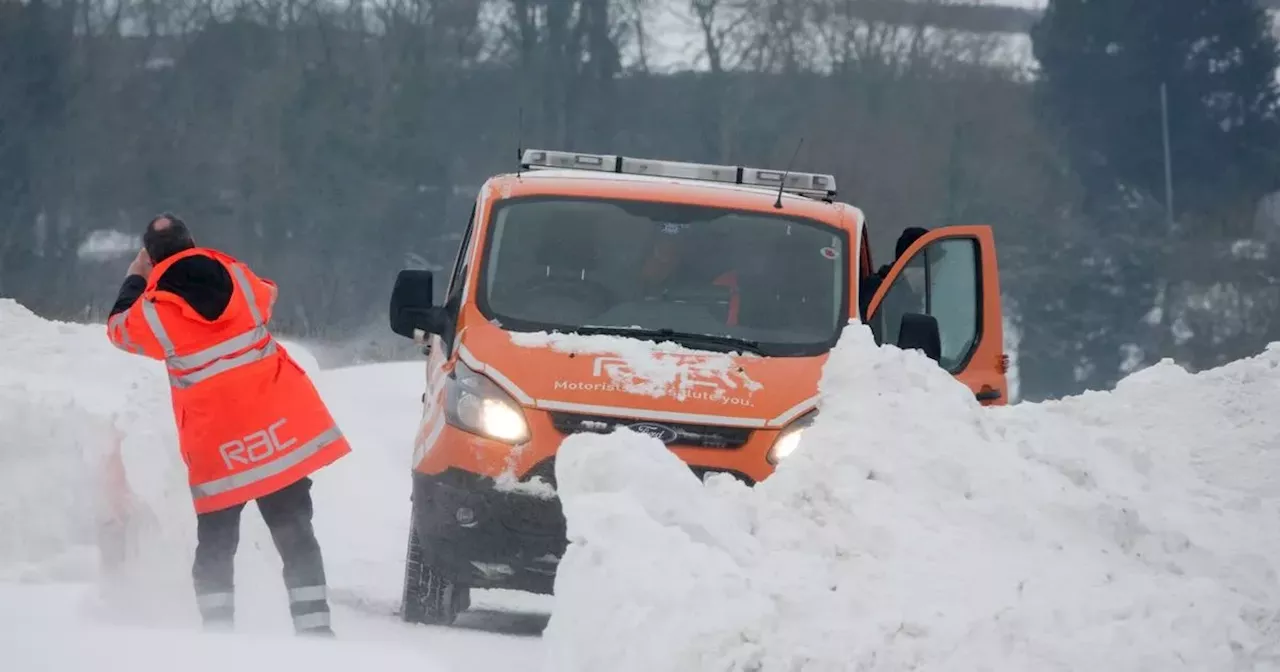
<point x="696" y="303"/>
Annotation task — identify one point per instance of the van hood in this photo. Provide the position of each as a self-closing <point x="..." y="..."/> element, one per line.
<point x="629" y="377"/>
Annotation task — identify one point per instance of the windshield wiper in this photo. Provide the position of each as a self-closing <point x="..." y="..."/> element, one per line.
<point x="724" y="343"/>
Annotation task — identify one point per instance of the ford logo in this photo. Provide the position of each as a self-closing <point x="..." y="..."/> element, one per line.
<point x="662" y="433"/>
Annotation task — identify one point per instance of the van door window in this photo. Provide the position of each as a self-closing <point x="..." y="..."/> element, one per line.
<point x="460" y="264"/>
<point x="941" y="280"/>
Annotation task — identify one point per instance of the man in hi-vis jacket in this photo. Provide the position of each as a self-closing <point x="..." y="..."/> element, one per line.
<point x="251" y="426"/>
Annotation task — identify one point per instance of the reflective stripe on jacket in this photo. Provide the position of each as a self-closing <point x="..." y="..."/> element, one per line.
<point x="250" y="421"/>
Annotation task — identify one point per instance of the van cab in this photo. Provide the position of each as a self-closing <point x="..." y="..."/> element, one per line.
<point x="696" y="303"/>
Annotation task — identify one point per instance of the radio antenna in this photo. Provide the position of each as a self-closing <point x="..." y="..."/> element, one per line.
<point x="519" y="140"/>
<point x="778" y="203"/>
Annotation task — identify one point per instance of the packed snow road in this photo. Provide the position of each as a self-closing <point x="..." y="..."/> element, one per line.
<point x="913" y="529"/>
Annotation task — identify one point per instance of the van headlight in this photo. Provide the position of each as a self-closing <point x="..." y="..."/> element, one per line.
<point x="475" y="404"/>
<point x="789" y="438"/>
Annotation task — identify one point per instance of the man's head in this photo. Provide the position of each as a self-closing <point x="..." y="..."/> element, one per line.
<point x="165" y="236"/>
<point x="668" y="250"/>
<point x="907" y="238"/>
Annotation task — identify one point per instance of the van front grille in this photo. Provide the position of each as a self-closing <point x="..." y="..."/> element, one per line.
<point x="672" y="433"/>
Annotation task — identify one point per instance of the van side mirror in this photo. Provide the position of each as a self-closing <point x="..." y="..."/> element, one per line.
<point x="412" y="307"/>
<point x="920" y="332"/>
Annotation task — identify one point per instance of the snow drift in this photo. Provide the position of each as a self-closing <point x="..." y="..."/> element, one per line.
<point x="914" y="529"/>
<point x="29" y="646"/>
<point x="98" y="526"/>
<point x="1130" y="530"/>
<point x="95" y="489"/>
<point x="68" y="400"/>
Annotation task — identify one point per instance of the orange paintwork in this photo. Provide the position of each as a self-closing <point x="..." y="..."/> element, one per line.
<point x="542" y="379"/>
<point x="985" y="369"/>
<point x="787" y="390"/>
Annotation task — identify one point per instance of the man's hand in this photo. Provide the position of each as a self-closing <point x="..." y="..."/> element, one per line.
<point x="141" y="264"/>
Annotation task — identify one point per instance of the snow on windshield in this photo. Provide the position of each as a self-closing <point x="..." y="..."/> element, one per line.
<point x="656" y="369"/>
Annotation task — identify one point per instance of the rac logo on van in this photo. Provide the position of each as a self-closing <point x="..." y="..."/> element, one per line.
<point x="679" y="376"/>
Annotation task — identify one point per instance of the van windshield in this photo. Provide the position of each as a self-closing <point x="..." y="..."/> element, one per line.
<point x="773" y="284"/>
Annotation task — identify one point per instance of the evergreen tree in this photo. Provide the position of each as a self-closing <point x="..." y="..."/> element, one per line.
<point x="1103" y="63"/>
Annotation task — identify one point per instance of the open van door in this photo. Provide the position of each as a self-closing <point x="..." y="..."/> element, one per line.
<point x="943" y="296"/>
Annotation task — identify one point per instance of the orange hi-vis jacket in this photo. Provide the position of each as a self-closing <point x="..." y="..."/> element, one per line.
<point x="250" y="422"/>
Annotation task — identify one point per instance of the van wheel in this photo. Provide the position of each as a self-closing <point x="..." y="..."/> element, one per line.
<point x="428" y="597"/>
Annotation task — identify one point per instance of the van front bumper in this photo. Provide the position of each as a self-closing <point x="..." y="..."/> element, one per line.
<point x="475" y="534"/>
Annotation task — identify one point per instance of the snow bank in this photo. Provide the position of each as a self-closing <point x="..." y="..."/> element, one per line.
<point x="95" y="489"/>
<point x="67" y="400"/>
<point x="32" y="446"/>
<point x="97" y="529"/>
<point x="914" y="529"/>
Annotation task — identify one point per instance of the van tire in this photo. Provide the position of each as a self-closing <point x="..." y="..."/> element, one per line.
<point x="428" y="597"/>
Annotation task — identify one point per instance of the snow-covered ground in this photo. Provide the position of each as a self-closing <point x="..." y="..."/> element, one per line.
<point x="913" y="529"/>
<point x="1131" y="530"/>
<point x="96" y="529"/>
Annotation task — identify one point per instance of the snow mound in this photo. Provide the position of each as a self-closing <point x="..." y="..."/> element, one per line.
<point x="95" y="489"/>
<point x="915" y="529"/>
<point x="31" y="446"/>
<point x="98" y="527"/>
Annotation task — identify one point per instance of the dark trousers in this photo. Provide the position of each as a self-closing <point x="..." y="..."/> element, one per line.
<point x="287" y="513"/>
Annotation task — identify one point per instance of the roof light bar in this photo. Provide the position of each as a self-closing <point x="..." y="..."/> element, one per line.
<point x="819" y="184"/>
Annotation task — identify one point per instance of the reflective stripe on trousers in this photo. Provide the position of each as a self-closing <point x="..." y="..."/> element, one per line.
<point x="272" y="468"/>
<point x="309" y="607"/>
<point x="287" y="513"/>
<point x="209" y="601"/>
<point x="216" y="608"/>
